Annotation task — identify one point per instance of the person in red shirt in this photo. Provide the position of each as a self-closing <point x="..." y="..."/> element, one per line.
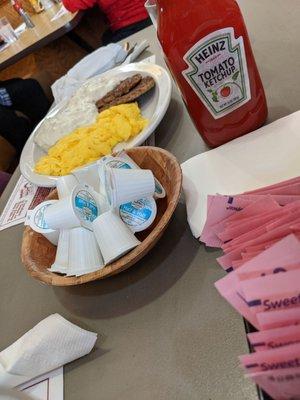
<point x="125" y="17"/>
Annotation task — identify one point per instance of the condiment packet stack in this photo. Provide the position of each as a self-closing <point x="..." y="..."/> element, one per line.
<point x="100" y="208"/>
<point x="244" y="225"/>
<point x="259" y="233"/>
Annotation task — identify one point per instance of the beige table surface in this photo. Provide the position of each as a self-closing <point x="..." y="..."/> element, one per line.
<point x="44" y="32"/>
<point x="164" y="332"/>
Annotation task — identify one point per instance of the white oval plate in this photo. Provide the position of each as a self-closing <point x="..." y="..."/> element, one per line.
<point x="153" y="106"/>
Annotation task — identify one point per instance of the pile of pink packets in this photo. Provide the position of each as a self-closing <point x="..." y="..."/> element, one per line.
<point x="259" y="233"/>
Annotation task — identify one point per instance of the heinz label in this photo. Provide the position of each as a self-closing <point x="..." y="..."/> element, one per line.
<point x="217" y="72"/>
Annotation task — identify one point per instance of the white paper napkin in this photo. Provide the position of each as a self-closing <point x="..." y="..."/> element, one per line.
<point x="136" y="52"/>
<point x="61" y="12"/>
<point x="264" y="157"/>
<point x="97" y="62"/>
<point x="52" y="343"/>
<point x="20" y="29"/>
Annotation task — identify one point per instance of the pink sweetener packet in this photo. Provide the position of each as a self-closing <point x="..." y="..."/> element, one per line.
<point x="282" y="256"/>
<point x="268" y="360"/>
<point x="260" y="247"/>
<point x="232" y="233"/>
<point x="248" y="255"/>
<point x="244" y="246"/>
<point x="289" y="217"/>
<point x="253" y="209"/>
<point x="283" y="384"/>
<point x="274" y="338"/>
<point x="228" y="288"/>
<point x="237" y="263"/>
<point x="226" y="260"/>
<point x="276" y="234"/>
<point x="272" y="292"/>
<point x="260" y="238"/>
<point x="233" y="244"/>
<point x="288" y="189"/>
<point x="282" y="200"/>
<point x="209" y="203"/>
<point x="220" y="207"/>
<point x="234" y="255"/>
<point x="237" y="229"/>
<point x="287" y="207"/>
<point x="292" y="189"/>
<point x="279" y="318"/>
<point x="295" y="225"/>
<point x="288" y="220"/>
<point x="275" y="185"/>
<point x="285" y="199"/>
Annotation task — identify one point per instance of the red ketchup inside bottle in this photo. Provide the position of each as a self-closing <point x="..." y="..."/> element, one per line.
<point x="207" y="49"/>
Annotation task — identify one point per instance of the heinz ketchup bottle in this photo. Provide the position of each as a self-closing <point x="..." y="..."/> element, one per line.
<point x="208" y="51"/>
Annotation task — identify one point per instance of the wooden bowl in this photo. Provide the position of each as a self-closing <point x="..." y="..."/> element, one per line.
<point x="38" y="253"/>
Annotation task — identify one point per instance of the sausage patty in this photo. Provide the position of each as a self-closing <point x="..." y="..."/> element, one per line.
<point x="146" y="84"/>
<point x="121" y="89"/>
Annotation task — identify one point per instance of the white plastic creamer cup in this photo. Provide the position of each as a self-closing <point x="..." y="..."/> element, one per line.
<point x="88" y="204"/>
<point x="65" y="185"/>
<point x="101" y="164"/>
<point x="113" y="236"/>
<point x="116" y="162"/>
<point x="79" y="209"/>
<point x="61" y="263"/>
<point x="27" y="218"/>
<point x="126" y="185"/>
<point x="84" y="252"/>
<point x="61" y="215"/>
<point x="36" y="221"/>
<point x="138" y="215"/>
<point x="124" y="161"/>
<point x="110" y="162"/>
<point x="88" y="175"/>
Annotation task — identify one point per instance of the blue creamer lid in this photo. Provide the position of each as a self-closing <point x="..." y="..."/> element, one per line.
<point x="138" y="215"/>
<point x="118" y="163"/>
<point x="87" y="204"/>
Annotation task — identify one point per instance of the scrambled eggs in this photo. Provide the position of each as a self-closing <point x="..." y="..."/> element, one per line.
<point x="89" y="143"/>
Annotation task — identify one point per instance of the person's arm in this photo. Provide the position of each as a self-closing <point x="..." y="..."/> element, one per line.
<point x="75" y="5"/>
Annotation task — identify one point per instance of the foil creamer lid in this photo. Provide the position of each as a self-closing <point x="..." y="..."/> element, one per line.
<point x="87" y="204"/>
<point x="138" y="215"/>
